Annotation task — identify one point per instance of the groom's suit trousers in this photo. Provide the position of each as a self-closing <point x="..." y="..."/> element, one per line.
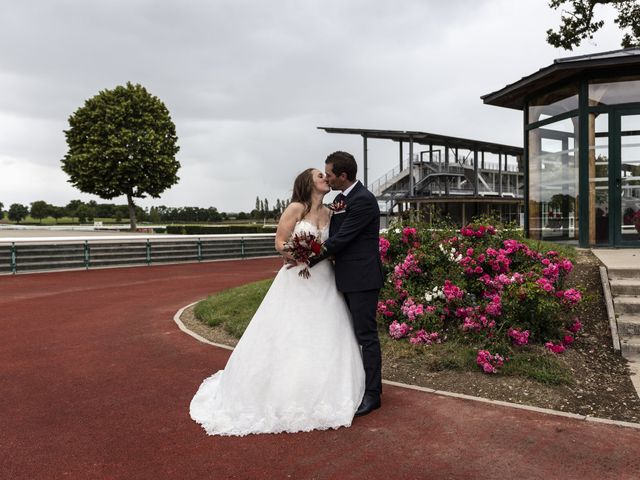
<point x="362" y="306"/>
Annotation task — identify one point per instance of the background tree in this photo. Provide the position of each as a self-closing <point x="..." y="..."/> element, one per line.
<point x="40" y="209"/>
<point x="84" y="213"/>
<point x="105" y="210"/>
<point x="72" y="208"/>
<point x="154" y="215"/>
<point x="1" y="211"/>
<point x="122" y="142"/>
<point x="579" y="22"/>
<point x="18" y="212"/>
<point x="58" y="212"/>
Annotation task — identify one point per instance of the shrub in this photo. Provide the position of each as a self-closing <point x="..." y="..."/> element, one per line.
<point x="218" y="229"/>
<point x="484" y="285"/>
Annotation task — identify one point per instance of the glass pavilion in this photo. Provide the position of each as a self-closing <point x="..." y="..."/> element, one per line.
<point x="581" y="148"/>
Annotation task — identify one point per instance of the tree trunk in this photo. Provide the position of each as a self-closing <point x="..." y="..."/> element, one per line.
<point x="132" y="212"/>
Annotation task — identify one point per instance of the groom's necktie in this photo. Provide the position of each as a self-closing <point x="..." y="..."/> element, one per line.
<point x="339" y="197"/>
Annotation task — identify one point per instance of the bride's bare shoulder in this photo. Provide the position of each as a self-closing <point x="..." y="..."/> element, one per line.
<point x="293" y="212"/>
<point x="295" y="206"/>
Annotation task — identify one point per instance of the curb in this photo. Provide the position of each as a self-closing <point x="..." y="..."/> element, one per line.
<point x="611" y="314"/>
<point x="181" y="326"/>
<point x="462" y="396"/>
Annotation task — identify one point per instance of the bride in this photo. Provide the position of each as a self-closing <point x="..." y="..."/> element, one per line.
<point x="298" y="366"/>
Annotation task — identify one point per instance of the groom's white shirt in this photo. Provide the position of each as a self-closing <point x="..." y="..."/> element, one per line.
<point x="348" y="190"/>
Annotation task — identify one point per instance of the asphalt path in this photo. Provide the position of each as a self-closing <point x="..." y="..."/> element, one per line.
<point x="96" y="381"/>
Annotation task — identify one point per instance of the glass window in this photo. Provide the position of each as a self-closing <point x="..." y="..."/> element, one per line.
<point x="553" y="103"/>
<point x="614" y="91"/>
<point x="553" y="181"/>
<point x="630" y="177"/>
<point x="598" y="179"/>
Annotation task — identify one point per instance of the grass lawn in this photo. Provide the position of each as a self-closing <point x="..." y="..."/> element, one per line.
<point x="233" y="309"/>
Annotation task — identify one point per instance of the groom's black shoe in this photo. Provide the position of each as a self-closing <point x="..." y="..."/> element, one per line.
<point x="369" y="404"/>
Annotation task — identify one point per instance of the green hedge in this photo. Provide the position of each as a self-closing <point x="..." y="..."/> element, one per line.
<point x="221" y="229"/>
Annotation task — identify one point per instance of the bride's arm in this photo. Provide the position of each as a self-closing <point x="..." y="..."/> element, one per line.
<point x="290" y="216"/>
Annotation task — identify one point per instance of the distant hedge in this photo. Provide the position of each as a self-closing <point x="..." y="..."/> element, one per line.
<point x="218" y="229"/>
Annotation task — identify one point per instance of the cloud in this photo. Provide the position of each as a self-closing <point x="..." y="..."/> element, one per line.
<point x="248" y="82"/>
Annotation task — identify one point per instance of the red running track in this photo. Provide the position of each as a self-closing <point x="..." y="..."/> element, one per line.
<point x="96" y="383"/>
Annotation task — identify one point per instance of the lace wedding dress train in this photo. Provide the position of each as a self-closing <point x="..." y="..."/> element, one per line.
<point x="297" y="367"/>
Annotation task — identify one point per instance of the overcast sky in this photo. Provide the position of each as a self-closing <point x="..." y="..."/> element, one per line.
<point x="247" y="82"/>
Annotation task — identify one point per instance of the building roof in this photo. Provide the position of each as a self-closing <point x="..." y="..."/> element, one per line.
<point x="425" y="138"/>
<point x="513" y="95"/>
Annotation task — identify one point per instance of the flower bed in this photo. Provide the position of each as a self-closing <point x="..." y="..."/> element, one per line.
<point x="486" y="286"/>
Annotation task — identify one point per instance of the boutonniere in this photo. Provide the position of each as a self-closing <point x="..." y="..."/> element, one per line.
<point x="338" y="207"/>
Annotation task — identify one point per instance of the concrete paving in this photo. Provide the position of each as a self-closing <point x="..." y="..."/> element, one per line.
<point x="97" y="378"/>
<point x="625" y="263"/>
<point x="622" y="258"/>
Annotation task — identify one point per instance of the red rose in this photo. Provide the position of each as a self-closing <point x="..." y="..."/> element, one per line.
<point x="316" y="247"/>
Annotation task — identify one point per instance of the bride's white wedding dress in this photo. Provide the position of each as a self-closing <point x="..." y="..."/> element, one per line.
<point x="298" y="365"/>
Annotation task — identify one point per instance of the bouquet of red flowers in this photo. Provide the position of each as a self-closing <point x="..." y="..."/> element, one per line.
<point x="303" y="247"/>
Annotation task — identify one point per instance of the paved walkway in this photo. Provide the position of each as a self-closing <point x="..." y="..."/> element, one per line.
<point x="618" y="257"/>
<point x="96" y="382"/>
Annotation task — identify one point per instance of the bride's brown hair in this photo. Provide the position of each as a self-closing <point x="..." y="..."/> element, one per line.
<point x="303" y="188"/>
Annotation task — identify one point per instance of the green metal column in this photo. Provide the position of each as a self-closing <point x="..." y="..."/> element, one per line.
<point x="583" y="165"/>
<point x="199" y="243"/>
<point x="525" y="166"/>
<point x="87" y="258"/>
<point x="241" y="247"/>
<point x="148" y="248"/>
<point x="615" y="178"/>
<point x="411" y="180"/>
<point x="365" y="161"/>
<point x="14" y="258"/>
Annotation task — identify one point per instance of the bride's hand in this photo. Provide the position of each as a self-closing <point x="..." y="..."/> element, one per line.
<point x="288" y="260"/>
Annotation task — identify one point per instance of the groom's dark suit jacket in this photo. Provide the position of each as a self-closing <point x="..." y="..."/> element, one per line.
<point x="354" y="242"/>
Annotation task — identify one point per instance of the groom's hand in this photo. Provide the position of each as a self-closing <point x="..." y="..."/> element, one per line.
<point x="318" y="258"/>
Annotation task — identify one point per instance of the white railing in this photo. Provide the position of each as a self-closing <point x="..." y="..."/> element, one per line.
<point x="21" y="254"/>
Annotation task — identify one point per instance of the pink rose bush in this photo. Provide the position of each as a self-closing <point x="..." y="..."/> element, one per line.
<point x="383" y="246"/>
<point x="398" y="330"/>
<point x="519" y="337"/>
<point x="483" y="285"/>
<point x="488" y="362"/>
<point x="421" y="336"/>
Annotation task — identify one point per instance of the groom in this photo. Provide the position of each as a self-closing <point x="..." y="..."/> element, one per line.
<point x="353" y="242"/>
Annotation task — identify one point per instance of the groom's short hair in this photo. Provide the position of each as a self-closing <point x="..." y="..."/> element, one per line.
<point x="343" y="162"/>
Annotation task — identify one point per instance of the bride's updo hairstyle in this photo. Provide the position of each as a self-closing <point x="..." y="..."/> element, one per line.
<point x="303" y="188"/>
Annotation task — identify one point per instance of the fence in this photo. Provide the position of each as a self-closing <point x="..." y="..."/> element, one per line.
<point x="54" y="253"/>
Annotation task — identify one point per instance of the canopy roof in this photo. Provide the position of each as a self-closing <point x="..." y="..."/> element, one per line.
<point x="425" y="138"/>
<point x="513" y="95"/>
